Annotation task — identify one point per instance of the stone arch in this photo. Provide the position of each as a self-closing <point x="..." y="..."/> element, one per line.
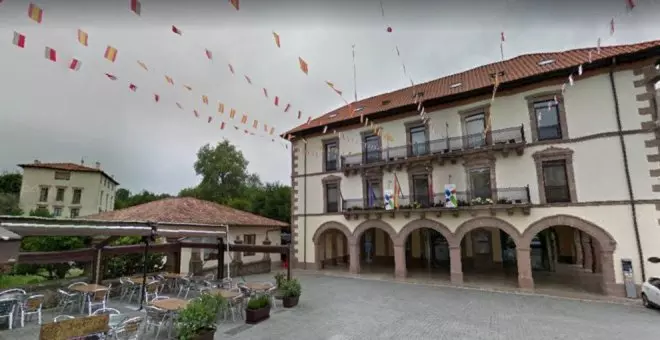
<point x="329" y="226"/>
<point x="425" y="223"/>
<point x="605" y="239"/>
<point x="378" y="224"/>
<point x="488" y="222"/>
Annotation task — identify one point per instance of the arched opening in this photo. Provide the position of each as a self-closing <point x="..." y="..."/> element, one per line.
<point x="331" y="242"/>
<point x="488" y="252"/>
<point x="569" y="253"/>
<point x="427" y="250"/>
<point x="375" y="240"/>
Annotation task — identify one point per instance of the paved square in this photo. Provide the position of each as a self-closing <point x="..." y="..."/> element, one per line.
<point x="336" y="308"/>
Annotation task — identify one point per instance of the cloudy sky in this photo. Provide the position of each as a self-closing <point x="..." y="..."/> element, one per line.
<point x="53" y="114"/>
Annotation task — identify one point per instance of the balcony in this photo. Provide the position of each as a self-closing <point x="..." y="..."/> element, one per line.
<point x="507" y="200"/>
<point x="503" y="140"/>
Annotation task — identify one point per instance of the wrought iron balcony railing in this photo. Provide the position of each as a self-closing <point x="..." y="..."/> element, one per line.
<point x="513" y="135"/>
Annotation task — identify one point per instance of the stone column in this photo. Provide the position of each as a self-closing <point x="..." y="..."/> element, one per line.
<point x="400" y="270"/>
<point x="598" y="263"/>
<point x="354" y="256"/>
<point x="608" y="284"/>
<point x="267" y="242"/>
<point x="578" y="247"/>
<point x="525" y="279"/>
<point x="588" y="253"/>
<point x="456" y="270"/>
<point x="333" y="248"/>
<point x="238" y="256"/>
<point x="318" y="253"/>
<point x="342" y="241"/>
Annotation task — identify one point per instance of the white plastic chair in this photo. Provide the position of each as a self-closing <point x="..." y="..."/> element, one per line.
<point x="31" y="306"/>
<point x="156" y="318"/>
<point x="97" y="298"/>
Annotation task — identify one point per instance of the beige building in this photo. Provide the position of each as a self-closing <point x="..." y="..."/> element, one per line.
<point x="556" y="182"/>
<point x="67" y="190"/>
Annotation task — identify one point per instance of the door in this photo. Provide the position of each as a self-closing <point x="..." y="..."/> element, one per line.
<point x="474" y="130"/>
<point x="480" y="183"/>
<point x="482" y="249"/>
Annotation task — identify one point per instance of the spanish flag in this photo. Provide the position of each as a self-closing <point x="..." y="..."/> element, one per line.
<point x="303" y="65"/>
<point x="232" y="113"/>
<point x="136" y="7"/>
<point x="221" y="107"/>
<point x="111" y="53"/>
<point x="196" y="113"/>
<point x="83" y="37"/>
<point x="277" y="39"/>
<point x="143" y="65"/>
<point x="188" y="87"/>
<point x="169" y="80"/>
<point x="19" y="40"/>
<point x="244" y="119"/>
<point x="397" y="192"/>
<point x="234" y="3"/>
<point x="222" y="126"/>
<point x="50" y="54"/>
<point x="75" y="64"/>
<point x="205" y="99"/>
<point x="35" y="13"/>
<point x="255" y="124"/>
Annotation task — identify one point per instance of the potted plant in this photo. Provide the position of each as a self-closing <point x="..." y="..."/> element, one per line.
<point x="291" y="291"/>
<point x="258" y="309"/>
<point x="197" y="320"/>
<point x="279" y="279"/>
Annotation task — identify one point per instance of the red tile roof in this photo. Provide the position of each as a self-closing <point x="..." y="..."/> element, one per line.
<point x="517" y="68"/>
<point x="66" y="167"/>
<point x="186" y="210"/>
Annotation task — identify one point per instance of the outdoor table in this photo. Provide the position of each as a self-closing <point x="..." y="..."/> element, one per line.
<point x="227" y="294"/>
<point x="85" y="290"/>
<point x="116" y="319"/>
<point x="171" y="305"/>
<point x="258" y="286"/>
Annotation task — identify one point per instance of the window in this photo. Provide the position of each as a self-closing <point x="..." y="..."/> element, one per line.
<point x="59" y="196"/>
<point x="373" y="192"/>
<point x="555" y="182"/>
<point x="77" y="196"/>
<point x="101" y="199"/>
<point x="420" y="189"/>
<point x="372" y="153"/>
<point x="75" y="212"/>
<point x="62" y="175"/>
<point x="249" y="239"/>
<point x="417" y="138"/>
<point x="43" y="194"/>
<point x="480" y="185"/>
<point x="475" y="125"/>
<point x="57" y="211"/>
<point x="331" y="197"/>
<point x="547" y="120"/>
<point x="331" y="155"/>
<point x="107" y="200"/>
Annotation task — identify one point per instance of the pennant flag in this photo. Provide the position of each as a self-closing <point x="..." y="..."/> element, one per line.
<point x="176" y="30"/>
<point x="502" y="38"/>
<point x="83" y="37"/>
<point x="205" y="99"/>
<point x="232" y="113"/>
<point x="265" y="92"/>
<point x="244" y="119"/>
<point x="299" y="114"/>
<point x="590" y="58"/>
<point x="75" y="64"/>
<point x="222" y="126"/>
<point x="272" y="130"/>
<point x="50" y="54"/>
<point x="630" y="4"/>
<point x="255" y="124"/>
<point x="234" y="3"/>
<point x="111" y="76"/>
<point x="248" y="80"/>
<point x="221" y="107"/>
<point x="188" y="87"/>
<point x="209" y="54"/>
<point x="19" y="40"/>
<point x="288" y="106"/>
<point x="169" y="80"/>
<point x="231" y="69"/>
<point x="196" y="113"/>
<point x="111" y="53"/>
<point x="143" y="65"/>
<point x="132" y="87"/>
<point x="277" y="39"/>
<point x="210" y="119"/>
<point x="265" y="127"/>
<point x="303" y="65"/>
<point x="136" y="7"/>
<point x="156" y="97"/>
<point x="277" y="101"/>
<point x="179" y="106"/>
<point x="35" y="13"/>
<point x="612" y="26"/>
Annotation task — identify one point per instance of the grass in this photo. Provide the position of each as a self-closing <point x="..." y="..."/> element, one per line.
<point x="13" y="281"/>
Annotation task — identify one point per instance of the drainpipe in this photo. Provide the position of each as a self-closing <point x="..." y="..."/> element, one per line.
<point x="631" y="195"/>
<point x="305" y="208"/>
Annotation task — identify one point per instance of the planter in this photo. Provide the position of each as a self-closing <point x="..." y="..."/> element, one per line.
<point x="205" y="334"/>
<point x="254" y="316"/>
<point x="290" y="301"/>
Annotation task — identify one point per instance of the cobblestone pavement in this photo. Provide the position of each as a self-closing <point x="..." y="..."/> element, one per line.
<point x="337" y="308"/>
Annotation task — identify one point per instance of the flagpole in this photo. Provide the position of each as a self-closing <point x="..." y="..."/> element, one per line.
<point x="354" y="76"/>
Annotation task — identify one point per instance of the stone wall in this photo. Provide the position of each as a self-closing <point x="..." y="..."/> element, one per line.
<point x="244" y="269"/>
<point x="49" y="289"/>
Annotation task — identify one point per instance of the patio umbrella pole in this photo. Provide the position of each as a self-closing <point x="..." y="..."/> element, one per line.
<point x="145" y="239"/>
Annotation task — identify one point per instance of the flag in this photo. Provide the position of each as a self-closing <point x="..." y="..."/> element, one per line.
<point x="222" y="126"/>
<point x="502" y="38"/>
<point x="110" y="53"/>
<point x="209" y="54"/>
<point x="232" y="113"/>
<point x="75" y="64"/>
<point x="287" y="107"/>
<point x="156" y="97"/>
<point x="272" y="130"/>
<point x="196" y="113"/>
<point x="309" y="120"/>
<point x="132" y="87"/>
<point x="221" y="107"/>
<point x="325" y="129"/>
<point x="397" y="192"/>
<point x="244" y="119"/>
<point x="143" y="65"/>
<point x="277" y="100"/>
<point x="590" y="58"/>
<point x="255" y="124"/>
<point x="265" y="92"/>
<point x="210" y="119"/>
<point x="630" y="4"/>
<point x="19" y="40"/>
<point x="35" y="13"/>
<point x="598" y="46"/>
<point x="176" y="30"/>
<point x="277" y="39"/>
<point x="248" y="79"/>
<point x="188" y="87"/>
<point x="136" y="7"/>
<point x="234" y="3"/>
<point x="83" y="37"/>
<point x="303" y="65"/>
<point x="231" y="69"/>
<point x="50" y="54"/>
<point x="169" y="80"/>
<point x="299" y="114"/>
<point x="205" y="99"/>
<point x="265" y="127"/>
<point x="111" y="76"/>
<point x="179" y="106"/>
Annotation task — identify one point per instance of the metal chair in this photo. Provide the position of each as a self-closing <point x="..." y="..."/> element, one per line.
<point x="156" y="317"/>
<point x="62" y="318"/>
<point x="108" y="311"/>
<point x="7" y="310"/>
<point x="31" y="306"/>
<point x="97" y="298"/>
<point x="65" y="299"/>
<point x="151" y="290"/>
<point x="128" y="329"/>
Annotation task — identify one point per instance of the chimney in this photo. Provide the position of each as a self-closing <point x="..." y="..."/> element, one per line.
<point x="36" y="161"/>
<point x="98" y="165"/>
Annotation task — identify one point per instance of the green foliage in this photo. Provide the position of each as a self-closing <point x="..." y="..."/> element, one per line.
<point x="10" y="183"/>
<point x="279" y="279"/>
<point x="199" y="314"/>
<point x="291" y="288"/>
<point x="13" y="281"/>
<point x="223" y="169"/>
<point x="41" y="212"/>
<point x="129" y="264"/>
<point x="9" y="204"/>
<point x="273" y="201"/>
<point x="124" y="198"/>
<point x="49" y="244"/>
<point x="258" y="302"/>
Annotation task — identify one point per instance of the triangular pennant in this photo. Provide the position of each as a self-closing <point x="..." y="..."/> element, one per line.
<point x="303" y="65"/>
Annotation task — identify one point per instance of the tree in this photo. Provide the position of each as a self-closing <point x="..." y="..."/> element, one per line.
<point x="224" y="172"/>
<point x="129" y="264"/>
<point x="9" y="205"/>
<point x="124" y="198"/>
<point x="10" y="182"/>
<point x="273" y="201"/>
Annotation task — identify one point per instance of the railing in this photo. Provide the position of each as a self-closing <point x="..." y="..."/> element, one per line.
<point x="511" y="135"/>
<point x="499" y="196"/>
